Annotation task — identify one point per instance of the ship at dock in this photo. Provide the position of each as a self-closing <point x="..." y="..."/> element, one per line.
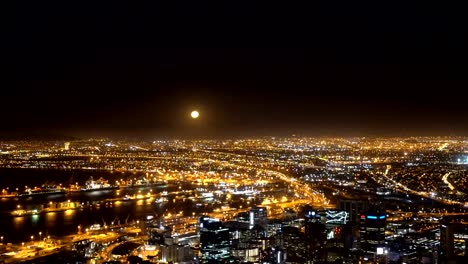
<point x="95" y="185"/>
<point x="45" y="189"/>
<point x="46" y="208"/>
<point x="143" y="182"/>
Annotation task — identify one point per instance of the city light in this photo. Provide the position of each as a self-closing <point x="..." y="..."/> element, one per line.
<point x="262" y="185"/>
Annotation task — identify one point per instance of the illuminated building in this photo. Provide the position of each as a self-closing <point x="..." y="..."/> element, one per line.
<point x="338" y="231"/>
<point x="214" y="241"/>
<point x="354" y="208"/>
<point x="157" y="234"/>
<point x="275" y="255"/>
<point x="334" y="217"/>
<point x="293" y="244"/>
<point x="372" y="233"/>
<point x="169" y="248"/>
<point x="451" y="231"/>
<point x="247" y="254"/>
<point x="258" y="216"/>
<point x="246" y="243"/>
<point x="172" y="252"/>
<point x="315" y="238"/>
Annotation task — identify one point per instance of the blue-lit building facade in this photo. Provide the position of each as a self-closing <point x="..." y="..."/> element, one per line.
<point x="372" y="235"/>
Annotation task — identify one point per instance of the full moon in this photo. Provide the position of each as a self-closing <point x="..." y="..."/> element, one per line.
<point x="194" y="114"/>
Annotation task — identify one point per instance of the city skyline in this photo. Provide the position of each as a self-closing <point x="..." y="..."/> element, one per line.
<point x="268" y="200"/>
<point x="220" y="133"/>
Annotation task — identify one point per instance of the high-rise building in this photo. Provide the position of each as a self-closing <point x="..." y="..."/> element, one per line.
<point x="66" y="145"/>
<point x="214" y="241"/>
<point x="339" y="238"/>
<point x="354" y="208"/>
<point x="315" y="238"/>
<point x="246" y="243"/>
<point x="258" y="216"/>
<point x="293" y="244"/>
<point x="372" y="234"/>
<point x="451" y="231"/>
<point x="157" y="234"/>
<point x="275" y="255"/>
<point x="173" y="252"/>
<point x="169" y="248"/>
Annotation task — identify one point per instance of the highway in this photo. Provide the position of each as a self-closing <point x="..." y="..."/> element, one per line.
<point x="301" y="189"/>
<point x="422" y="194"/>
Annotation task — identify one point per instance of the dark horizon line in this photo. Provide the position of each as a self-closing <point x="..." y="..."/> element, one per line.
<point x="52" y="137"/>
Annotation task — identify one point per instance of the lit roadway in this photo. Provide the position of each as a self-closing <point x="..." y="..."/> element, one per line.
<point x="424" y="214"/>
<point x="301" y="189"/>
<point x="423" y="194"/>
<point x="445" y="180"/>
<point x="450" y="185"/>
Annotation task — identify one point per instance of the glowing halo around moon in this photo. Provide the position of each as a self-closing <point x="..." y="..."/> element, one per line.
<point x="194" y="114"/>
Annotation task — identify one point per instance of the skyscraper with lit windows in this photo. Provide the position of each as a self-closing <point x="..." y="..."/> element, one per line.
<point x="214" y="241"/>
<point x="372" y="234"/>
<point x="258" y="216"/>
<point x="315" y="238"/>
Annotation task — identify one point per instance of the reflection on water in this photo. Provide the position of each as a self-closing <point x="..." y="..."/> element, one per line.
<point x="94" y="211"/>
<point x="69" y="212"/>
<point x="60" y="223"/>
<point x="18" y="221"/>
<point x="65" y="222"/>
<point x="35" y="219"/>
<point x="50" y="219"/>
<point x="68" y="217"/>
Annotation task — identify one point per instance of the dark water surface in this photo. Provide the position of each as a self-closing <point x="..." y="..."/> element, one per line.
<point x="17" y="229"/>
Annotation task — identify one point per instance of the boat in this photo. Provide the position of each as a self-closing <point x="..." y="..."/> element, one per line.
<point x="44" y="190"/>
<point x="51" y="207"/>
<point x="95" y="185"/>
<point x="144" y="184"/>
<point x="21" y="212"/>
<point x="93" y="189"/>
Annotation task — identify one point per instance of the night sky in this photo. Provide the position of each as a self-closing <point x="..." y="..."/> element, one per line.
<point x="251" y="70"/>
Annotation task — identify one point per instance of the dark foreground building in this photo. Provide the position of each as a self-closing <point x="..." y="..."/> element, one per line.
<point x="214" y="241"/>
<point x="372" y="234"/>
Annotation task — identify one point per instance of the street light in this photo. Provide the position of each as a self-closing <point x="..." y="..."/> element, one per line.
<point x="40" y="235"/>
<point x="32" y="237"/>
<point x="1" y="237"/>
